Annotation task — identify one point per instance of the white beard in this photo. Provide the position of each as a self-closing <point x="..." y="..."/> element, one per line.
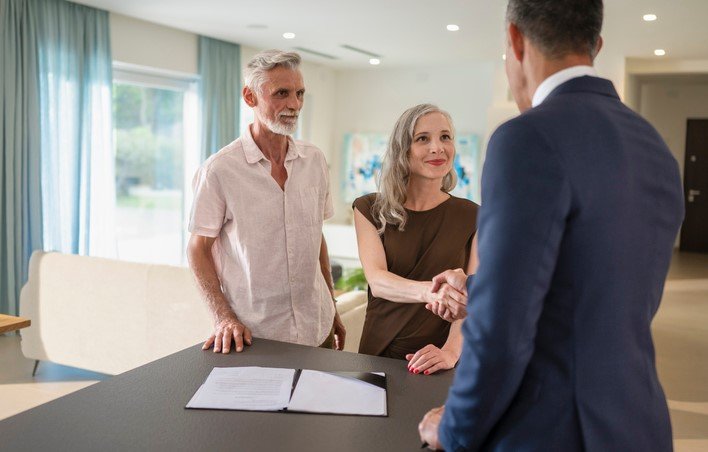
<point x="280" y="128"/>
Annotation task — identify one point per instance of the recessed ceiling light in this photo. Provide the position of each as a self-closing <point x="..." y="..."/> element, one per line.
<point x="289" y="35"/>
<point x="660" y="52"/>
<point x="504" y="56"/>
<point x="649" y="17"/>
<point x="374" y="61"/>
<point x="453" y="27"/>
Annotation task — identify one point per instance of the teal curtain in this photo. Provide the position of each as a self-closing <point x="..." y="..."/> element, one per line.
<point x="77" y="153"/>
<point x="219" y="92"/>
<point x="55" y="133"/>
<point x="20" y="197"/>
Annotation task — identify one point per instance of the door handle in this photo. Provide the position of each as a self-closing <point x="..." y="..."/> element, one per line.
<point x="692" y="194"/>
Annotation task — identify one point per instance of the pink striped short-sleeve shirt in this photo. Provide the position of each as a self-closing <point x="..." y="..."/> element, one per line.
<point x="268" y="239"/>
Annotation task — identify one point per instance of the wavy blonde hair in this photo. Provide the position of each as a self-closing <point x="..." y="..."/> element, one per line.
<point x="395" y="170"/>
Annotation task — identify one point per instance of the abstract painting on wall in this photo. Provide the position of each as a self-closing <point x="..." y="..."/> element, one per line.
<point x="363" y="155"/>
<point x="467" y="165"/>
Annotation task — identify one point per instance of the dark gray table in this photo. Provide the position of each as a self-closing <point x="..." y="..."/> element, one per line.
<point x="143" y="409"/>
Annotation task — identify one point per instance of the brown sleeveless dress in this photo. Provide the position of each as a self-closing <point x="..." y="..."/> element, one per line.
<point x="433" y="241"/>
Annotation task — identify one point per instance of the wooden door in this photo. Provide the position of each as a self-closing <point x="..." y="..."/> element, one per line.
<point x="694" y="232"/>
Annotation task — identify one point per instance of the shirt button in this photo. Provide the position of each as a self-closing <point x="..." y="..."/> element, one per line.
<point x="292" y="279"/>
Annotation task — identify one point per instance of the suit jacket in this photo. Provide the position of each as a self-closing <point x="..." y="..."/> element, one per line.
<point x="582" y="201"/>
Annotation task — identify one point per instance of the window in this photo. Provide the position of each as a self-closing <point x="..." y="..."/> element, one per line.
<point x="156" y="154"/>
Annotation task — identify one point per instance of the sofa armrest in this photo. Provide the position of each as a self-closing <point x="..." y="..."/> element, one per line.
<point x="352" y="310"/>
<point x="350" y="300"/>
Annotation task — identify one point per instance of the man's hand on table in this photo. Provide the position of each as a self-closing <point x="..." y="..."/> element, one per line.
<point x="428" y="428"/>
<point x="226" y="328"/>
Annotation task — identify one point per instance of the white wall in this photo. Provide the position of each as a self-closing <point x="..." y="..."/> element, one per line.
<point x="147" y="44"/>
<point x="611" y="65"/>
<point x="645" y="66"/>
<point x="372" y="99"/>
<point x="668" y="104"/>
<point x="502" y="107"/>
<point x="638" y="69"/>
<point x="667" y="92"/>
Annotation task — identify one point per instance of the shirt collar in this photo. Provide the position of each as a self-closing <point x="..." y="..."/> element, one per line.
<point x="254" y="154"/>
<point x="557" y="79"/>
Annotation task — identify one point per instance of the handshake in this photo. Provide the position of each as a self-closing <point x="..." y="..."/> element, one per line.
<point x="447" y="297"/>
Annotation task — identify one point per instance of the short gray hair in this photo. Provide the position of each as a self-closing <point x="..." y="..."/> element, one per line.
<point x="395" y="171"/>
<point x="254" y="74"/>
<point x="559" y="27"/>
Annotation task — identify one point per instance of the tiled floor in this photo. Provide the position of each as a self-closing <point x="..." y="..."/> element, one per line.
<point x="688" y="266"/>
<point x="19" y="391"/>
<point x="681" y="340"/>
<point x="680" y="335"/>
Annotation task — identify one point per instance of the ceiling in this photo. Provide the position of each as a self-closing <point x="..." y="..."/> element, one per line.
<point x="412" y="32"/>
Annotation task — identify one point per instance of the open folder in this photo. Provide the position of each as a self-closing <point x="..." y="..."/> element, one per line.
<point x="301" y="390"/>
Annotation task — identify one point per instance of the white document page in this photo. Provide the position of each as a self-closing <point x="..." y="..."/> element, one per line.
<point x="245" y="388"/>
<point x="321" y="392"/>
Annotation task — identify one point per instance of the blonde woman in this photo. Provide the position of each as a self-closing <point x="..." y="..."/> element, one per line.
<point x="409" y="232"/>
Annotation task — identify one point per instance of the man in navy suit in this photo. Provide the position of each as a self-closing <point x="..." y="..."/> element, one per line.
<point x="582" y="201"/>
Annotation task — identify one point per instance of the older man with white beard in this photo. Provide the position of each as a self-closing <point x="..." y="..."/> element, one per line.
<point x="256" y="247"/>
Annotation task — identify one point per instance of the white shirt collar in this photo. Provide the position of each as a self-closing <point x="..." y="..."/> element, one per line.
<point x="557" y="79"/>
<point x="254" y="154"/>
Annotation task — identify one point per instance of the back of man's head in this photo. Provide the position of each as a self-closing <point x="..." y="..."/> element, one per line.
<point x="265" y="61"/>
<point x="559" y="27"/>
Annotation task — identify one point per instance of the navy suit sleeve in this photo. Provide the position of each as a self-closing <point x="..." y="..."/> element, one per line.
<point x="526" y="200"/>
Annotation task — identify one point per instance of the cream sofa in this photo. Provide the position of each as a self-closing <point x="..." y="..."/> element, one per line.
<point x="112" y="316"/>
<point x="352" y="310"/>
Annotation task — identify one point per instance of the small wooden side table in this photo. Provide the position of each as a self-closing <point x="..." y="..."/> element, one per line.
<point x="11" y="323"/>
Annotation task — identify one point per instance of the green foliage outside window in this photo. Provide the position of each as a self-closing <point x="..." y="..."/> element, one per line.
<point x="353" y="279"/>
<point x="148" y="129"/>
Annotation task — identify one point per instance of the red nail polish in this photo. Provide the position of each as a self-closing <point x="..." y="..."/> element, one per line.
<point x="416" y="371"/>
<point x="426" y="372"/>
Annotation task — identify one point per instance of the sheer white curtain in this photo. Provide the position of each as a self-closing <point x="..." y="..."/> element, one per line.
<point x="78" y="188"/>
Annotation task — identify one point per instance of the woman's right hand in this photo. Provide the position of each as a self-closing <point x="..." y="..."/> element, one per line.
<point x="431" y="359"/>
<point x="447" y="302"/>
